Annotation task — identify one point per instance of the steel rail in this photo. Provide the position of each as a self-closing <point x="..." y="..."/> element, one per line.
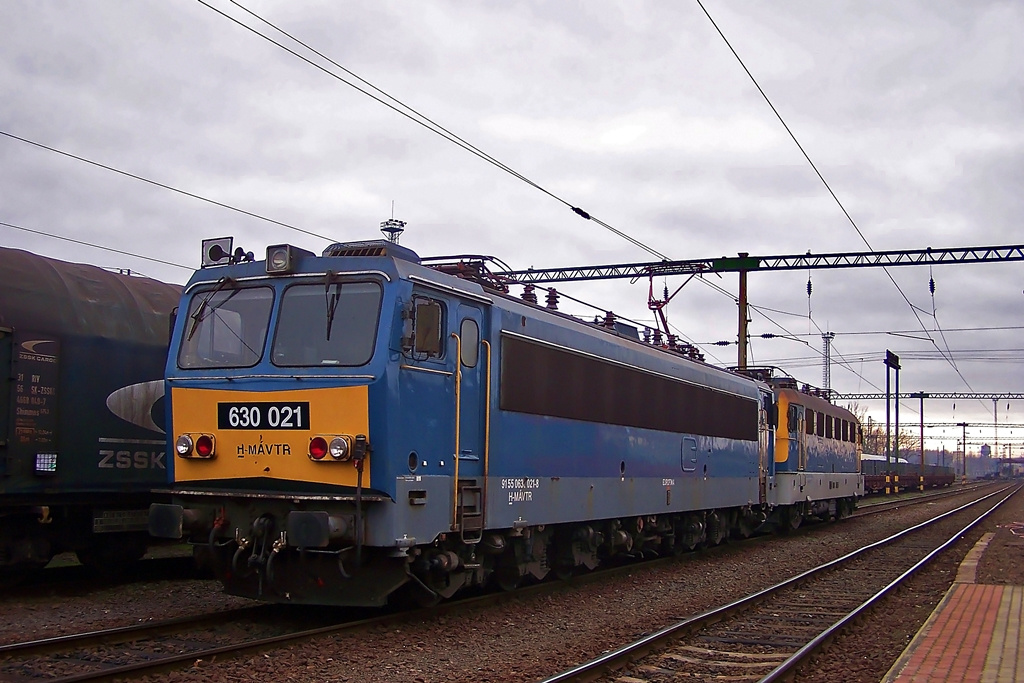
<point x="124" y="633"/>
<point x="133" y="632"/>
<point x="619" y="657"/>
<point x="782" y="671"/>
<point x="172" y="662"/>
<point x="913" y="497"/>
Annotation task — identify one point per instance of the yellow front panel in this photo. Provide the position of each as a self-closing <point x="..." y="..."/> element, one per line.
<point x="273" y="453"/>
<point x="782" y="432"/>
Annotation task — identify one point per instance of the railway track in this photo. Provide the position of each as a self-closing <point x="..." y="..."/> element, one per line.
<point x="137" y="650"/>
<point x="915" y="498"/>
<point x="766" y="635"/>
<point x="113" y="636"/>
<point x="143" y="649"/>
<point x="153" y="647"/>
<point x="133" y="651"/>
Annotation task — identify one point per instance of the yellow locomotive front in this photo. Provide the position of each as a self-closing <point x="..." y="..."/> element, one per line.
<point x="288" y="435"/>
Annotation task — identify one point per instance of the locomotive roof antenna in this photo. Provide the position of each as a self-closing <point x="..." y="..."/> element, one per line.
<point x="392" y="228"/>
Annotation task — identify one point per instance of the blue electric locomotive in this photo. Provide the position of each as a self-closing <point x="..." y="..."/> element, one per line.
<point x="357" y="424"/>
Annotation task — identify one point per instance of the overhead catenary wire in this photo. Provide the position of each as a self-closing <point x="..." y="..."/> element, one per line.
<point x="997" y="328"/>
<point x="964" y="355"/>
<point x="164" y="186"/>
<point x="388" y="100"/>
<point x="765" y="309"/>
<point x="187" y="193"/>
<point x="761" y="311"/>
<point x="934" y="313"/>
<point x="843" y="362"/>
<point x="828" y="187"/>
<point x="95" y="246"/>
<point x="401" y="108"/>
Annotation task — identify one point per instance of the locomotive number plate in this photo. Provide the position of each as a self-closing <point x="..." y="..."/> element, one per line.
<point x="263" y="415"/>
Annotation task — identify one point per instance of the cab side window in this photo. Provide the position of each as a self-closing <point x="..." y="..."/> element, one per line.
<point x="427" y="323"/>
<point x="470" y="334"/>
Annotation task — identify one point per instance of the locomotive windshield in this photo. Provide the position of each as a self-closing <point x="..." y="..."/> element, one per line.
<point x="226" y="327"/>
<point x="334" y="324"/>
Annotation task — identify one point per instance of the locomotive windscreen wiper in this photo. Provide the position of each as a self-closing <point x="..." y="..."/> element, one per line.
<point x="332" y="300"/>
<point x="205" y="309"/>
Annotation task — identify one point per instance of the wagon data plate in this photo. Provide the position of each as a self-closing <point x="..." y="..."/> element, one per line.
<point x="263" y="415"/>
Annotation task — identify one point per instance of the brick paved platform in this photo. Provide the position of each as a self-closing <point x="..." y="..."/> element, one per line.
<point x="973" y="636"/>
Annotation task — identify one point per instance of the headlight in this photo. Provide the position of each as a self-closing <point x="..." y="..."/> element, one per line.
<point x="279" y="259"/>
<point x="339" y="448"/>
<point x="183" y="445"/>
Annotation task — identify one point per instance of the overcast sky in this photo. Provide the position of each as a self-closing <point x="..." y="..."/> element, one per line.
<point x="636" y="112"/>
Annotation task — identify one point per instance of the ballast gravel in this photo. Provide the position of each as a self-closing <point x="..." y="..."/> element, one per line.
<point x="531" y="638"/>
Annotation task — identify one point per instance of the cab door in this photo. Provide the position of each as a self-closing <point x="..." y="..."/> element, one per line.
<point x="767" y="418"/>
<point x="472" y="378"/>
<point x="802" y="433"/>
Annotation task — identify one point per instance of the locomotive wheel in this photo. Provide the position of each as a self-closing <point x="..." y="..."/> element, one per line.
<point x="717" y="530"/>
<point x="791" y="520"/>
<point x="689" y="532"/>
<point x="508" y="578"/>
<point x="414" y="594"/>
<point x="671" y="548"/>
<point x="564" y="572"/>
<point x="744" y="528"/>
<point x="424" y="598"/>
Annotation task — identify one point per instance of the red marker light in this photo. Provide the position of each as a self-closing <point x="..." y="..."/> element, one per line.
<point x="317" y="447"/>
<point x="204" y="446"/>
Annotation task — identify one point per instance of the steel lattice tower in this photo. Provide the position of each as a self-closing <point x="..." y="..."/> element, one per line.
<point x="826" y="368"/>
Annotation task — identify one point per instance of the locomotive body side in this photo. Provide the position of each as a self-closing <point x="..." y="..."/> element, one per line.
<point x="600" y="426"/>
<point x="83" y="444"/>
<point x="445" y="436"/>
<point x="817" y="450"/>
